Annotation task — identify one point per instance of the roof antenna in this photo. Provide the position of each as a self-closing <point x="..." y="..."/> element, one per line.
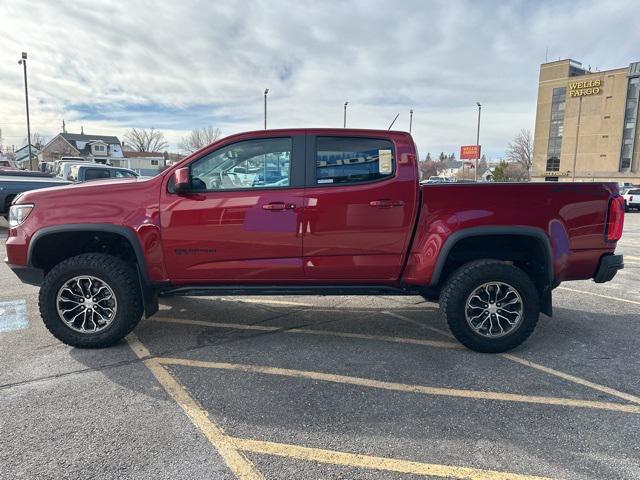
<point x="394" y="121"/>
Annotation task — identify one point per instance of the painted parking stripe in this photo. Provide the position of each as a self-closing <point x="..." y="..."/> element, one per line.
<point x="556" y="373"/>
<point x="411" y="341"/>
<point x="274" y="302"/>
<point x="13" y="315"/>
<point x="401" y="387"/>
<point x="374" y="463"/>
<point x="237" y="463"/>
<point x="230" y="447"/>
<point x="309" y="331"/>
<point x="634" y="302"/>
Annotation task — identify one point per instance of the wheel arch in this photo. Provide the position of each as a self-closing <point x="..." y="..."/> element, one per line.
<point x="545" y="283"/>
<point x="126" y="234"/>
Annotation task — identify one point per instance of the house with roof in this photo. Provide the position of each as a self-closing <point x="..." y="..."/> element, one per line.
<point x="144" y="163"/>
<point x="22" y="156"/>
<point x="96" y="148"/>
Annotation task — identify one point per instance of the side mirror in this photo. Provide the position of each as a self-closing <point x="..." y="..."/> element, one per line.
<point x="181" y="181"/>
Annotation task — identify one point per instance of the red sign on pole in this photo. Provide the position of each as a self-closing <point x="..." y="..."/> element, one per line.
<point x="470" y="152"/>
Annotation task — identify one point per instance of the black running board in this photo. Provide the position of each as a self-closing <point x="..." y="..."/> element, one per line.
<point x="214" y="290"/>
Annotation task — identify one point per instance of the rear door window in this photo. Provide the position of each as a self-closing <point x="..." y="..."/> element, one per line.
<point x="345" y="160"/>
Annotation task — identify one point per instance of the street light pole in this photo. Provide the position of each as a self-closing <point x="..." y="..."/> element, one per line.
<point x="478" y="141"/>
<point x="344" y="121"/>
<point x="266" y="91"/>
<point x="410" y="119"/>
<point x="23" y="62"/>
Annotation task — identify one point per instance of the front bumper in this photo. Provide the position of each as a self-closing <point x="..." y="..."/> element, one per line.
<point x="26" y="274"/>
<point x="609" y="266"/>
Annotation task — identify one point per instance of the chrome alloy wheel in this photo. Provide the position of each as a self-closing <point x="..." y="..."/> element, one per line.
<point x="494" y="309"/>
<point x="86" y="304"/>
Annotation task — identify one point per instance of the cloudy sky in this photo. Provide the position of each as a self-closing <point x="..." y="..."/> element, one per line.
<point x="177" y="65"/>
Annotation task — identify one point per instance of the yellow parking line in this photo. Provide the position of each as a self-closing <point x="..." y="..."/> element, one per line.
<point x="537" y="366"/>
<point x="631" y="257"/>
<point x="374" y="463"/>
<point x="238" y="463"/>
<point x="401" y="387"/>
<point x="274" y="302"/>
<point x="228" y="447"/>
<point x="572" y="378"/>
<point x="309" y="331"/>
<point x="600" y="295"/>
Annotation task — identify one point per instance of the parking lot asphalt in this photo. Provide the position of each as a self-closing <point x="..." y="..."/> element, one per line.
<point x="326" y="388"/>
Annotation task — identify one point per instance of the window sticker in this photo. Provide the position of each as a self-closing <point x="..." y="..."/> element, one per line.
<point x="385" y="165"/>
<point x="325" y="180"/>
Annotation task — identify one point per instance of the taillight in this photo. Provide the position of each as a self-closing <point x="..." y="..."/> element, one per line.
<point x="615" y="219"/>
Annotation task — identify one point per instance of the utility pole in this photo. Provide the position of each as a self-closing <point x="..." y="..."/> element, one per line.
<point x="478" y="141"/>
<point x="344" y="120"/>
<point x="266" y="91"/>
<point x="410" y="119"/>
<point x="23" y="62"/>
<point x="575" y="150"/>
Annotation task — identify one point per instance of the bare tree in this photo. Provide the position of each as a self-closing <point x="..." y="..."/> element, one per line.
<point x="38" y="140"/>
<point x="466" y="172"/>
<point x="520" y="151"/>
<point x="198" y="138"/>
<point x="430" y="168"/>
<point x="146" y="140"/>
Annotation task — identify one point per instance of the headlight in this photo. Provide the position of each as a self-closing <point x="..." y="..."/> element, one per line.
<point x="18" y="214"/>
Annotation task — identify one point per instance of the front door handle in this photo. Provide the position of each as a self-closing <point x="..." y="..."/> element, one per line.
<point x="278" y="206"/>
<point x="386" y="203"/>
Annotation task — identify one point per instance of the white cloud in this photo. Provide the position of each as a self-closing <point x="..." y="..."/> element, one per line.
<point x="185" y="64"/>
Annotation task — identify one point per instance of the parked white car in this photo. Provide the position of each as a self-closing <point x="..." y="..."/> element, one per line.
<point x="631" y="198"/>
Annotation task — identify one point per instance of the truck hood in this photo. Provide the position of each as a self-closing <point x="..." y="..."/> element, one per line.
<point x="97" y="187"/>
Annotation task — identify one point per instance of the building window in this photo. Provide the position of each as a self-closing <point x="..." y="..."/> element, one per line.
<point x="630" y="121"/>
<point x="553" y="164"/>
<point x="154" y="162"/>
<point x="556" y="128"/>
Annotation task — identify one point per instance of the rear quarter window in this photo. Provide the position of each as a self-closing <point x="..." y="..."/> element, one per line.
<point x="346" y="160"/>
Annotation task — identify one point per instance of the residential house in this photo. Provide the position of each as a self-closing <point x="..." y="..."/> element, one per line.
<point x="146" y="164"/>
<point x="96" y="148"/>
<point x="22" y="156"/>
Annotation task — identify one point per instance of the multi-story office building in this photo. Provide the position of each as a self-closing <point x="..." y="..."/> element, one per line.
<point x="586" y="124"/>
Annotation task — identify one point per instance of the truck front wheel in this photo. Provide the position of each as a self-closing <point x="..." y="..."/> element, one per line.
<point x="490" y="306"/>
<point x="91" y="300"/>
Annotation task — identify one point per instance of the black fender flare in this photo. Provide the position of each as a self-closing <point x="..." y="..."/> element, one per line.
<point x="533" y="232"/>
<point x="147" y="288"/>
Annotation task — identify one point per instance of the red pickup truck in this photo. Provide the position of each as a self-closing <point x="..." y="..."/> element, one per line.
<point x="310" y="211"/>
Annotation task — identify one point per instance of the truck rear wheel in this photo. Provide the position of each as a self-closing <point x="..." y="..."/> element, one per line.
<point x="490" y="306"/>
<point x="91" y="300"/>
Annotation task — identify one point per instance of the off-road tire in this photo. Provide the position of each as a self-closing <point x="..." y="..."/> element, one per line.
<point x="121" y="277"/>
<point x="465" y="280"/>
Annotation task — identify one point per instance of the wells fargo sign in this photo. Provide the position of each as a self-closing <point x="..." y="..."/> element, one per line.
<point x="581" y="89"/>
<point x="469" y="152"/>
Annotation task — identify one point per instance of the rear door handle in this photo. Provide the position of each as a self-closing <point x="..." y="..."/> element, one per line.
<point x="278" y="206"/>
<point x="386" y="203"/>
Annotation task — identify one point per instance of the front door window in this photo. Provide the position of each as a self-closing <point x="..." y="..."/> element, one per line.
<point x="263" y="163"/>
